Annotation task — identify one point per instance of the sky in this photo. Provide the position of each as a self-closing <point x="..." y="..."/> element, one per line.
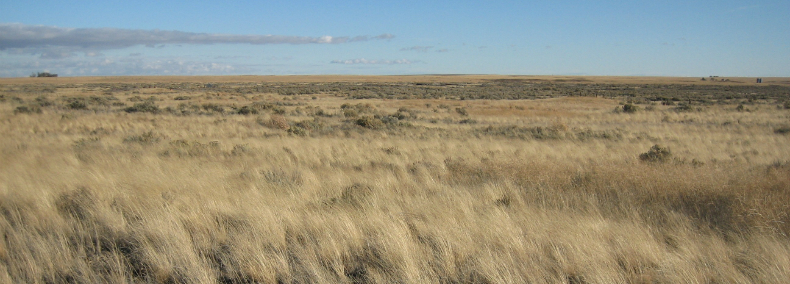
<point x="610" y="38"/>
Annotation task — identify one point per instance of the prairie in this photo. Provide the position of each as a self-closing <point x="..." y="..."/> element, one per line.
<point x="401" y="179"/>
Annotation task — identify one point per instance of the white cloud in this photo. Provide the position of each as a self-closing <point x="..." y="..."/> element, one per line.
<point x="366" y="61"/>
<point x="32" y="39"/>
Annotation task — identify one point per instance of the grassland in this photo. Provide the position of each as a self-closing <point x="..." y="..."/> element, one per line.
<point x="404" y="179"/>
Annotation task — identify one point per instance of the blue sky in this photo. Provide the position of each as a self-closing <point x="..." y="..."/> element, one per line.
<point x="655" y="38"/>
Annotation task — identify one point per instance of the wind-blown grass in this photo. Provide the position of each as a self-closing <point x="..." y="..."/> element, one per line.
<point x="545" y="191"/>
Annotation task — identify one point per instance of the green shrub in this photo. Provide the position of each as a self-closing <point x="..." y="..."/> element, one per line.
<point x="782" y="130"/>
<point x="629" y="108"/>
<point x="143" y="107"/>
<point x="247" y="110"/>
<point x="686" y="108"/>
<point x="27" y="109"/>
<point x="278" y="110"/>
<point x="213" y="108"/>
<point x="656" y="154"/>
<point x="77" y="104"/>
<point x="350" y="113"/>
<point x="298" y="131"/>
<point x="370" y="122"/>
<point x="43" y="101"/>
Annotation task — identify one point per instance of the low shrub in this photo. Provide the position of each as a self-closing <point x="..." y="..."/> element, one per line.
<point x="77" y="104"/>
<point x="27" y="109"/>
<point x="149" y="107"/>
<point x="462" y="111"/>
<point x="370" y="122"/>
<point x="782" y="130"/>
<point x="656" y="154"/>
<point x="247" y="110"/>
<point x="213" y="108"/>
<point x="146" y="138"/>
<point x="298" y="131"/>
<point x="629" y="108"/>
<point x="43" y="101"/>
<point x="350" y="113"/>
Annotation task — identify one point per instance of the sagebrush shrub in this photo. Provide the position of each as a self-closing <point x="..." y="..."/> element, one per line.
<point x="629" y="108"/>
<point x="27" y="109"/>
<point x="77" y="104"/>
<point x="656" y="153"/>
<point x="146" y="138"/>
<point x="143" y="107"/>
<point x="247" y="110"/>
<point x="370" y="122"/>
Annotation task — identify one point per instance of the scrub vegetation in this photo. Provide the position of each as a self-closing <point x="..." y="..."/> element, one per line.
<point x="394" y="180"/>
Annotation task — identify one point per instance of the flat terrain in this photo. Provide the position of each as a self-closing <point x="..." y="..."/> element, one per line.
<point x="405" y="78"/>
<point x="394" y="179"/>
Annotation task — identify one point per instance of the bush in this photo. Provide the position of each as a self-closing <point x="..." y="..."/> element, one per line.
<point x="656" y="154"/>
<point x="782" y="130"/>
<point x="246" y="110"/>
<point x="143" y="107"/>
<point x="278" y="110"/>
<point x="350" y="113"/>
<point x="146" y="138"/>
<point x="43" y="101"/>
<point x="462" y="111"/>
<point x="686" y="108"/>
<point x="629" y="108"/>
<point x="27" y="109"/>
<point x="370" y="122"/>
<point x="213" y="108"/>
<point x="77" y="104"/>
<point x="298" y="131"/>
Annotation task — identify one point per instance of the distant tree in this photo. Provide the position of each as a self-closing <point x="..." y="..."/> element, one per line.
<point x="43" y="74"/>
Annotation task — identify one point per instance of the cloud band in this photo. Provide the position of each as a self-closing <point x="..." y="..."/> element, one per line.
<point x="31" y="36"/>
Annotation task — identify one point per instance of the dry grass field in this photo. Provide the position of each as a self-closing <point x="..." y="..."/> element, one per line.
<point x="403" y="179"/>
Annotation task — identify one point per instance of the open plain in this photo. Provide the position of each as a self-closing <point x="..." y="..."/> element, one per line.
<point x="394" y="179"/>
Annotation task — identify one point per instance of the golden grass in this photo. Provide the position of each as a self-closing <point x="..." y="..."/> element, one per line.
<point x="102" y="195"/>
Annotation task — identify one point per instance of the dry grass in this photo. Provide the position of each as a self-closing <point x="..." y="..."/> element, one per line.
<point x="535" y="191"/>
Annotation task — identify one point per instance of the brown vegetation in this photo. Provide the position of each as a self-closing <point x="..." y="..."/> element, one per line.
<point x="393" y="182"/>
